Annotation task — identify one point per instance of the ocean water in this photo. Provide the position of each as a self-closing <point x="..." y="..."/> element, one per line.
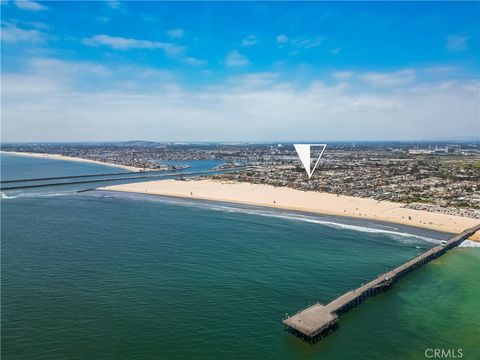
<point x="104" y="275"/>
<point x="48" y="171"/>
<point x="16" y="167"/>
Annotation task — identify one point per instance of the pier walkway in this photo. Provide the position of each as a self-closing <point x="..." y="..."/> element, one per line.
<point x="318" y="320"/>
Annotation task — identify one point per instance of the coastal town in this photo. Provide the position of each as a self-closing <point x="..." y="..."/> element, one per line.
<point x="438" y="177"/>
<point x="446" y="181"/>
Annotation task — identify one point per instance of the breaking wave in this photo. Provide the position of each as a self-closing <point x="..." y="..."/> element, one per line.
<point x="470" y="244"/>
<point x="5" y="196"/>
<point x="390" y="231"/>
<point x="33" y="195"/>
<point x="331" y="224"/>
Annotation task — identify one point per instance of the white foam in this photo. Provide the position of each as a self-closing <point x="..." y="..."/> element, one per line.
<point x="470" y="244"/>
<point x="33" y="195"/>
<point x="332" y="224"/>
<point x="5" y="196"/>
<point x="392" y="232"/>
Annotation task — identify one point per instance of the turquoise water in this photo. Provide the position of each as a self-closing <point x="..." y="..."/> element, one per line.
<point x="105" y="275"/>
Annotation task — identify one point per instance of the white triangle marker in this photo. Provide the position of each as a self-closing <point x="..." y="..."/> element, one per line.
<point x="304" y="153"/>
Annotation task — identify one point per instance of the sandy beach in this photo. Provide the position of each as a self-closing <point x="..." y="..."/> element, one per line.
<point x="291" y="199"/>
<point x="70" y="158"/>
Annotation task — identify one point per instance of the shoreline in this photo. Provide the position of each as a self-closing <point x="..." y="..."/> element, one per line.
<point x="304" y="201"/>
<point x="377" y="225"/>
<point x="71" y="158"/>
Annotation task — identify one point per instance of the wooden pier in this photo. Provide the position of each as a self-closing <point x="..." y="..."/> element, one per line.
<point x="317" y="321"/>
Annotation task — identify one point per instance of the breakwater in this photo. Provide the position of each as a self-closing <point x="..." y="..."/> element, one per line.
<point x="66" y="177"/>
<point x="132" y="177"/>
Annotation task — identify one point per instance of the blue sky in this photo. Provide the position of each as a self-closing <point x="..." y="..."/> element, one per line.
<point x="252" y="71"/>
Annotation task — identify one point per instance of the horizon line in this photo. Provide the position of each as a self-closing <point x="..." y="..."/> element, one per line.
<point x="237" y="142"/>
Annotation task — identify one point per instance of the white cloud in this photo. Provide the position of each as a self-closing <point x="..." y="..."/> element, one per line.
<point x="29" y="5"/>
<point x="440" y="69"/>
<point x="307" y="43"/>
<point x="342" y="75"/>
<point x="120" y="43"/>
<point x="282" y="39"/>
<point x="193" y="61"/>
<point x="456" y="42"/>
<point x="250" y="40"/>
<point x="301" y="42"/>
<point x="114" y="4"/>
<point x="67" y="69"/>
<point x="175" y="33"/>
<point x="38" y="25"/>
<point x="389" y="79"/>
<point x="51" y="106"/>
<point x="234" y="58"/>
<point x="254" y="81"/>
<point x="10" y="33"/>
